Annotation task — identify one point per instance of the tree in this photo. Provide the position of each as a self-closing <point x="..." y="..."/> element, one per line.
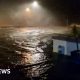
<point x="76" y="34"/>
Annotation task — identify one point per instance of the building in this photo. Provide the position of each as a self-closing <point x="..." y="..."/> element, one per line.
<point x="64" y="44"/>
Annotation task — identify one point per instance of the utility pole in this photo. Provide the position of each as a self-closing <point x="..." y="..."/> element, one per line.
<point x="67" y="21"/>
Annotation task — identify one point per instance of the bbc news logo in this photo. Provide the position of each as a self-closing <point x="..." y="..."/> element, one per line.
<point x="5" y="71"/>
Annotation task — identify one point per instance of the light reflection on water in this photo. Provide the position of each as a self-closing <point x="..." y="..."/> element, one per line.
<point x="25" y="45"/>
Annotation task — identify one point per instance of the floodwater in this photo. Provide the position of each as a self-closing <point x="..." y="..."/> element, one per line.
<point x="19" y="46"/>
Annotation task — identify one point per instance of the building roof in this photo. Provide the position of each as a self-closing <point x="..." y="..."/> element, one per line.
<point x="65" y="37"/>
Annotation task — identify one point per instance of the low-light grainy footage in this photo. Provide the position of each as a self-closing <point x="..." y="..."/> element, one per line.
<point x="39" y="40"/>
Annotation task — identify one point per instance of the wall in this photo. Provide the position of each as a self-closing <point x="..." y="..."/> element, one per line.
<point x="71" y="46"/>
<point x="56" y="43"/>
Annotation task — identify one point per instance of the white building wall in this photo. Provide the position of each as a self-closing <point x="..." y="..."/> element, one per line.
<point x="71" y="46"/>
<point x="56" y="43"/>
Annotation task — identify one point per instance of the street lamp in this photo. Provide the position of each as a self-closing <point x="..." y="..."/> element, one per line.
<point x="35" y="4"/>
<point x="28" y="9"/>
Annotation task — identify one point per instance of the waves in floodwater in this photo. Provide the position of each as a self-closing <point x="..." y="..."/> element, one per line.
<point x="25" y="48"/>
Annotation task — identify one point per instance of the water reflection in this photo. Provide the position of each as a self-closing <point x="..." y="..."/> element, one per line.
<point x="26" y="58"/>
<point x="25" y="48"/>
<point x="29" y="58"/>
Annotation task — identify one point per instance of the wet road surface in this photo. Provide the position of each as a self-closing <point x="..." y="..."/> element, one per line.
<point x="27" y="54"/>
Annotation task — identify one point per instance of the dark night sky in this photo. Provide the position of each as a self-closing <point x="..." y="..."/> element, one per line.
<point x="68" y="8"/>
<point x="64" y="9"/>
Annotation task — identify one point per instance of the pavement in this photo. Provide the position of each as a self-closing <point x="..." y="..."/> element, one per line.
<point x="66" y="68"/>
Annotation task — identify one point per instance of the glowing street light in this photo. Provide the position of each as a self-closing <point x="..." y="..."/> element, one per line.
<point x="28" y="9"/>
<point x="35" y="3"/>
